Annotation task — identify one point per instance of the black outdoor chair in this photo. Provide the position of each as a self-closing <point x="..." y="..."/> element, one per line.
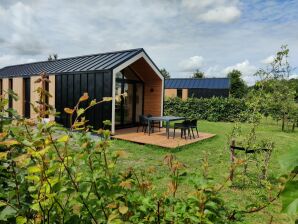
<point x="193" y="124"/>
<point x="184" y="126"/>
<point x="143" y="122"/>
<point x="154" y="124"/>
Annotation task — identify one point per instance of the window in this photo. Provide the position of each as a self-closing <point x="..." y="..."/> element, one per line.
<point x="46" y="88"/>
<point x="26" y="92"/>
<point x="127" y="73"/>
<point x="10" y="87"/>
<point x="119" y="75"/>
<point x="179" y="93"/>
<point x="128" y="106"/>
<point x="130" y="74"/>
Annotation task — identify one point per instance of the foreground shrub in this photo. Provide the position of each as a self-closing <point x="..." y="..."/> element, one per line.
<point x="212" y="109"/>
<point x="50" y="174"/>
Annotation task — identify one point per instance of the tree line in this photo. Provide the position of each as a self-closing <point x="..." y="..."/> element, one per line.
<point x="275" y="85"/>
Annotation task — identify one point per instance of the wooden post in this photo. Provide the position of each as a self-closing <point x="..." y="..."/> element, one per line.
<point x="283" y="122"/>
<point x="232" y="150"/>
<point x="293" y="126"/>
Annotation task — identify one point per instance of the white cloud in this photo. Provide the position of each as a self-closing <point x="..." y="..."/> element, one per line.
<point x="124" y="46"/>
<point x="248" y="70"/>
<point x="6" y="60"/>
<point x="221" y="14"/>
<point x="214" y="71"/>
<point x="245" y="67"/>
<point x="169" y="30"/>
<point x="294" y="76"/>
<point x="202" y="4"/>
<point x="23" y="37"/>
<point x="219" y="11"/>
<point x="268" y="60"/>
<point x="205" y="4"/>
<point x="191" y="64"/>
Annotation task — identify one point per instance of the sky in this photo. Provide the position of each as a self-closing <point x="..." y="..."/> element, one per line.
<point x="214" y="36"/>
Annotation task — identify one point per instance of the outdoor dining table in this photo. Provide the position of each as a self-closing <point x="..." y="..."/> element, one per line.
<point x="167" y="119"/>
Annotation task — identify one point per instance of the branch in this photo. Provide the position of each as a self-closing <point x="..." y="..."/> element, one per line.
<point x="71" y="177"/>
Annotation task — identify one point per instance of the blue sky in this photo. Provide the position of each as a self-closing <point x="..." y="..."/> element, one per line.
<point x="215" y="36"/>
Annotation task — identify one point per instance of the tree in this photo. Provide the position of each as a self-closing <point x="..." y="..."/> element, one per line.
<point x="274" y="83"/>
<point x="53" y="57"/>
<point x="198" y="74"/>
<point x="238" y="86"/>
<point x="165" y="73"/>
<point x="294" y="84"/>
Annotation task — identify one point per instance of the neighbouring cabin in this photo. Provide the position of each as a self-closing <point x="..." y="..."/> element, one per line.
<point x="200" y="88"/>
<point x="130" y="77"/>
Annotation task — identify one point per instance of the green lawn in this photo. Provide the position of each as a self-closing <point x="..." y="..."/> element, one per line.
<point x="142" y="156"/>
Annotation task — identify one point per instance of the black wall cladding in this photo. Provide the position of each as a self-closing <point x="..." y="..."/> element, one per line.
<point x="208" y="93"/>
<point x="70" y="87"/>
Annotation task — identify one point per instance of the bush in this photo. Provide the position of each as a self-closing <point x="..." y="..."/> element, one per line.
<point x="50" y="174"/>
<point x="211" y="109"/>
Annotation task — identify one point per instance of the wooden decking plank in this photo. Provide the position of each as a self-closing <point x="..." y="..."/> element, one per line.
<point x="158" y="138"/>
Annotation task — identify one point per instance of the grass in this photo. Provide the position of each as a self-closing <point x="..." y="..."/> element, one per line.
<point x="143" y="156"/>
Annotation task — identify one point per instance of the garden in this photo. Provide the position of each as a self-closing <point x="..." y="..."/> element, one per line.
<point x="217" y="152"/>
<point x="247" y="173"/>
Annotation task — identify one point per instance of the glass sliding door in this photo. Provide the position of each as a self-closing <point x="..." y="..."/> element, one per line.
<point x="128" y="103"/>
<point x="118" y="102"/>
<point x="139" y="100"/>
<point x="129" y="100"/>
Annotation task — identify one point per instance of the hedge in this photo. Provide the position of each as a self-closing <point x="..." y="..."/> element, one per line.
<point x="212" y="109"/>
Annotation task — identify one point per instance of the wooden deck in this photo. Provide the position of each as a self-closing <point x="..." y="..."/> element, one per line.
<point x="158" y="138"/>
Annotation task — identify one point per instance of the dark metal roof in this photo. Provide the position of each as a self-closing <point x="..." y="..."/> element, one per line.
<point x="204" y="83"/>
<point x="94" y="62"/>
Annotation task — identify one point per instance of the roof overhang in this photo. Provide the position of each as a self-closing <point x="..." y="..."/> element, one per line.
<point x="127" y="63"/>
<point x="134" y="59"/>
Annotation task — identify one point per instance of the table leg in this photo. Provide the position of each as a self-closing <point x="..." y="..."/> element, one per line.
<point x="148" y="127"/>
<point x="167" y="129"/>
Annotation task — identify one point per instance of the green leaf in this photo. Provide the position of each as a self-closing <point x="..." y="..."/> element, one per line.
<point x="44" y="151"/>
<point x="2" y="204"/>
<point x="35" y="207"/>
<point x="3" y="155"/>
<point x="289" y="198"/>
<point x="7" y="212"/>
<point x="112" y="217"/>
<point x="22" y="160"/>
<point x="63" y="138"/>
<point x="107" y="99"/>
<point x="9" y="143"/>
<point x="21" y="220"/>
<point x="289" y="161"/>
<point x="80" y="111"/>
<point x="123" y="209"/>
<point x="32" y="178"/>
<point x="34" y="169"/>
<point x="92" y="103"/>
